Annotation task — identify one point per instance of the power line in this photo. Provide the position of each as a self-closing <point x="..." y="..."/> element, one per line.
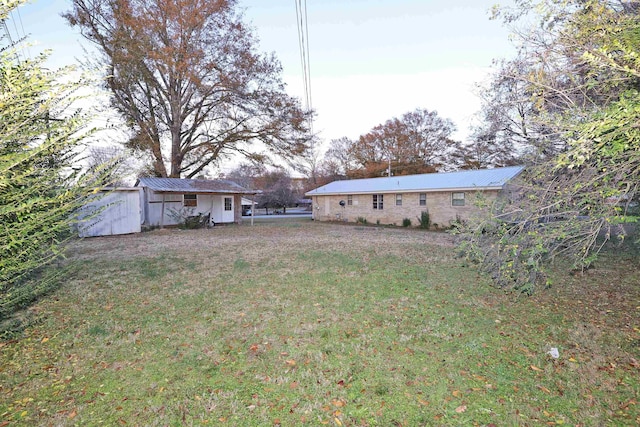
<point x="24" y="34"/>
<point x="303" y="43"/>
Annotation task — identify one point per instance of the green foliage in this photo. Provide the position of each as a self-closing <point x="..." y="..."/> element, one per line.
<point x="583" y="88"/>
<point x="361" y="220"/>
<point x="406" y="222"/>
<point x="424" y="220"/>
<point x="39" y="189"/>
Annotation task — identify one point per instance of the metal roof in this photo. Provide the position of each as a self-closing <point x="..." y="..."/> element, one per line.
<point x="482" y="179"/>
<point x="178" y="185"/>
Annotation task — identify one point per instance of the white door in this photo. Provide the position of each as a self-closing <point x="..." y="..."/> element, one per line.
<point x="227" y="209"/>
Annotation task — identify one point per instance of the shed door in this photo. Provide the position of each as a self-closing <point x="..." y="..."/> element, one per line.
<point x="227" y="209"/>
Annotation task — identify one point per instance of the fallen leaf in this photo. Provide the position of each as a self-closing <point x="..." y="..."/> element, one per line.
<point x="45" y="339"/>
<point x="460" y="409"/>
<point x="72" y="414"/>
<point x="423" y="402"/>
<point x="544" y="389"/>
<point x="535" y="368"/>
<point x="457" y="393"/>
<point x="291" y="362"/>
<point x="337" y="402"/>
<point x="337" y="421"/>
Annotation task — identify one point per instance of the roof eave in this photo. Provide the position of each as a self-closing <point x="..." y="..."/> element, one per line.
<point x="416" y="190"/>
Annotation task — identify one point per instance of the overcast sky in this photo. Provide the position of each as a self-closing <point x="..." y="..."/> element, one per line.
<point x="370" y="60"/>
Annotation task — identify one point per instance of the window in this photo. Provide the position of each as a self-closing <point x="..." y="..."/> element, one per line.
<point x="423" y="199"/>
<point x="227" y="203"/>
<point x="378" y="201"/>
<point x="457" y="199"/>
<point x="398" y="199"/>
<point x="190" y="200"/>
<point x="349" y="200"/>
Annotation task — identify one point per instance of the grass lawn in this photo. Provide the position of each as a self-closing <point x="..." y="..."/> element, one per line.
<point x="301" y="323"/>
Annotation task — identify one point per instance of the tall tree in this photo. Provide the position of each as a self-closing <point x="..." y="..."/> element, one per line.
<point x="417" y="142"/>
<point x="39" y="188"/>
<point x="277" y="190"/>
<point x="186" y="77"/>
<point x="338" y="160"/>
<point x="583" y="75"/>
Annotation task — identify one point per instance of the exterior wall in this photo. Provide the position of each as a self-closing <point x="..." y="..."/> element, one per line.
<point x="119" y="213"/>
<point x="439" y="205"/>
<point x="206" y="204"/>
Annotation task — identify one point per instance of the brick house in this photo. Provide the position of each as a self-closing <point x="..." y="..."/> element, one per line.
<point x="446" y="196"/>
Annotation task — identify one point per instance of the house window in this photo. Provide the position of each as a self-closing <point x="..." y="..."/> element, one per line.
<point x="227" y="203"/>
<point x="349" y="200"/>
<point x="190" y="200"/>
<point x="457" y="199"/>
<point x="423" y="199"/>
<point x="398" y="199"/>
<point x="378" y="201"/>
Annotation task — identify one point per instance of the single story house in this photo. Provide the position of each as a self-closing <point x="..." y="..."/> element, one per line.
<point x="447" y="197"/>
<point x="166" y="199"/>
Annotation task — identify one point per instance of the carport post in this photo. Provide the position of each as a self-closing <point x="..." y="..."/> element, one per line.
<point x="253" y="208"/>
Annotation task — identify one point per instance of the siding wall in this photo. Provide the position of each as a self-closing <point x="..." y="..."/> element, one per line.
<point x="113" y="212"/>
<point x="441" y="211"/>
<point x="206" y="202"/>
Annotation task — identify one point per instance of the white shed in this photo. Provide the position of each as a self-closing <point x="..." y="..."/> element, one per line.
<point x="218" y="199"/>
<point x="112" y="211"/>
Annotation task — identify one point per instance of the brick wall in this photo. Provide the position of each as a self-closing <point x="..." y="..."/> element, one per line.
<point x="439" y="205"/>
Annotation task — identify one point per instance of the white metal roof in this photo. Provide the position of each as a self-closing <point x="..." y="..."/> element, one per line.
<point x="177" y="185"/>
<point x="482" y="179"/>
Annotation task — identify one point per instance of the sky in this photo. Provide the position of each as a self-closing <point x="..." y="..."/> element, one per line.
<point x="370" y="60"/>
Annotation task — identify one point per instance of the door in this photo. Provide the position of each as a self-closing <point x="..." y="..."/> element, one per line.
<point x="222" y="209"/>
<point x="227" y="212"/>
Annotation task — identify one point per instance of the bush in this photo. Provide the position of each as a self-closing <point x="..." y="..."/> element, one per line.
<point x="361" y="220"/>
<point x="40" y="189"/>
<point x="187" y="219"/>
<point x="406" y="222"/>
<point x="424" y="220"/>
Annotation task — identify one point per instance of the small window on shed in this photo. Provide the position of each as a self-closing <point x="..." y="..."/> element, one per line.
<point x="423" y="199"/>
<point x="349" y="200"/>
<point x="227" y="203"/>
<point x="457" y="199"/>
<point x="398" y="199"/>
<point x="190" y="200"/>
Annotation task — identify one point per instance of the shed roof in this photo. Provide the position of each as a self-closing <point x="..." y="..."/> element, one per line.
<point x="482" y="179"/>
<point x="178" y="185"/>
